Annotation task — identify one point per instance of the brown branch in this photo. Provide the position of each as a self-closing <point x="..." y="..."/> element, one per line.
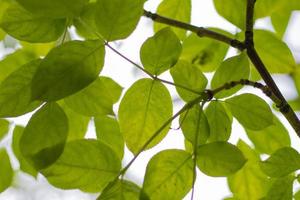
<point x="200" y="31"/>
<point x="278" y="98"/>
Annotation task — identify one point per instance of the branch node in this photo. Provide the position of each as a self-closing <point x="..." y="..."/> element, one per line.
<point x="209" y="95"/>
<point x="284" y="107"/>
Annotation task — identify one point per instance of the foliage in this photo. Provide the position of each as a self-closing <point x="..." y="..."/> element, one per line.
<point x="60" y="80"/>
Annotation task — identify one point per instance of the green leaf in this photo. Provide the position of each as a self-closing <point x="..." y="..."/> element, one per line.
<point x="88" y="165"/>
<point x="26" y="26"/>
<point x="117" y="19"/>
<point x="219" y="122"/>
<point x="275" y="53"/>
<point x="45" y="135"/>
<point x="194" y="122"/>
<point x="205" y="53"/>
<point x="169" y="175"/>
<point x="6" y="171"/>
<point x="282" y="188"/>
<point x="15" y="91"/>
<point x="267" y="7"/>
<point x="4" y="128"/>
<point x="108" y="132"/>
<point x="54" y="8"/>
<point x="232" y="69"/>
<point x="120" y="190"/>
<point x="146" y="106"/>
<point x="78" y="124"/>
<point x="67" y="69"/>
<point x="280" y="20"/>
<point x="175" y="9"/>
<point x="297" y="195"/>
<point x="86" y="24"/>
<point x="233" y="10"/>
<point x="97" y="99"/>
<point x="282" y="162"/>
<point x="160" y="52"/>
<point x="251" y="111"/>
<point x="219" y="159"/>
<point x="24" y="165"/>
<point x="13" y="61"/>
<point x="271" y="138"/>
<point x="188" y="75"/>
<point x="249" y="183"/>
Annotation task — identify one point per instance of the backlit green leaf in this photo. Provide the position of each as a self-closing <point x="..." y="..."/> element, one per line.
<point x="160" y="52"/>
<point x="117" y="19"/>
<point x="281" y="163"/>
<point x="282" y="188"/>
<point x="146" y="106"/>
<point x="121" y="190"/>
<point x="13" y="61"/>
<point x="219" y="159"/>
<point x="169" y="175"/>
<point x="270" y="139"/>
<point x="15" y="91"/>
<point x="275" y="53"/>
<point x="175" y="9"/>
<point x="219" y="122"/>
<point x="88" y="165"/>
<point x="4" y="127"/>
<point x="45" y="135"/>
<point x="97" y="99"/>
<point x="204" y="52"/>
<point x="6" y="171"/>
<point x="189" y="76"/>
<point x="251" y="111"/>
<point x="26" y="26"/>
<point x="232" y="69"/>
<point x="67" y="69"/>
<point x="54" y="8"/>
<point x="249" y="183"/>
<point x="108" y="132"/>
<point x="24" y="165"/>
<point x="194" y="122"/>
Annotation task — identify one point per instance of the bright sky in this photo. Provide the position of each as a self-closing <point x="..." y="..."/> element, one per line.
<point x="204" y="14"/>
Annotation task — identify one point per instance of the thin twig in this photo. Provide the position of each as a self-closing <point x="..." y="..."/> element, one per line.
<point x="200" y="31"/>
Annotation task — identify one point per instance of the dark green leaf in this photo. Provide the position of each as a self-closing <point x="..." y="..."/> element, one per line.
<point x="219" y="159"/>
<point x="270" y="139"/>
<point x="54" y="8"/>
<point x="281" y="189"/>
<point x="219" y="122"/>
<point x="15" y="91"/>
<point x="251" y="111"/>
<point x="160" y="52"/>
<point x="88" y="165"/>
<point x="117" y="19"/>
<point x="146" y="106"/>
<point x="67" y="69"/>
<point x="108" y="132"/>
<point x="275" y="53"/>
<point x="174" y="9"/>
<point x="24" y="165"/>
<point x="6" y="171"/>
<point x="281" y="163"/>
<point x="249" y="183"/>
<point x="169" y="175"/>
<point x="45" y="135"/>
<point x="232" y="69"/>
<point x="204" y="52"/>
<point x="97" y="99"/>
<point x="4" y="127"/>
<point x="188" y="75"/>
<point x="194" y="122"/>
<point x="26" y="26"/>
<point x="120" y="190"/>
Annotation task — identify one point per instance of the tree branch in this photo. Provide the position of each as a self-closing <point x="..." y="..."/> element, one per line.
<point x="200" y="31"/>
<point x="279" y="99"/>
